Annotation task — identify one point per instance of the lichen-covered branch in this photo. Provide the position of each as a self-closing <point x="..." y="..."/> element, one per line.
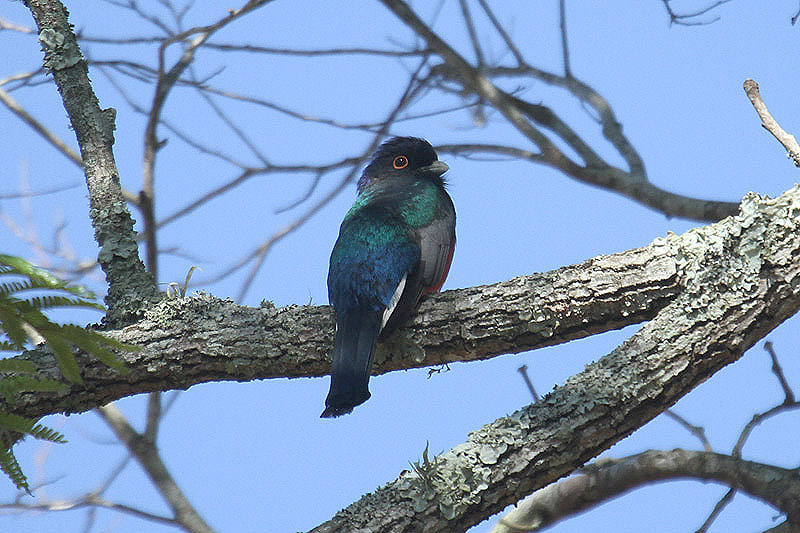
<point x="130" y="287"/>
<point x="200" y="339"/>
<point x="739" y="279"/>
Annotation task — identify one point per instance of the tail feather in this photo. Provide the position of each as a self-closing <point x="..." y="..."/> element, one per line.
<point x="353" y="350"/>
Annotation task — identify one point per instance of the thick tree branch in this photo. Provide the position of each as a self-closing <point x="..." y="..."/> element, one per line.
<point x="609" y="478"/>
<point x="740" y="278"/>
<point x="202" y="339"/>
<point x="195" y="340"/>
<point x="130" y="287"/>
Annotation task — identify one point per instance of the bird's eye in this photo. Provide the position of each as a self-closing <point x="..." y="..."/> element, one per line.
<point x="400" y="161"/>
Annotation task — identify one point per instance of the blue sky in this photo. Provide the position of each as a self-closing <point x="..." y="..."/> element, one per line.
<point x="255" y="456"/>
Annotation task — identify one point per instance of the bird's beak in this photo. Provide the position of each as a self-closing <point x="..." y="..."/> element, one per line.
<point x="437" y="168"/>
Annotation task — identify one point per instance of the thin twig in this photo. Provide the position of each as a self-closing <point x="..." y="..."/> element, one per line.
<point x="506" y="37"/>
<point x="777" y="369"/>
<point x="697" y="431"/>
<point x="685" y="19"/>
<point x="39" y="128"/>
<point x="166" y="81"/>
<point x="524" y="371"/>
<point x="562" y="14"/>
<point x="146" y="453"/>
<point x="715" y="512"/>
<point x="473" y="35"/>
<point x="770" y="124"/>
<point x="262" y="251"/>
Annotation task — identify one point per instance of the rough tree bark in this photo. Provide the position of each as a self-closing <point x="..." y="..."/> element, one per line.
<point x="713" y="291"/>
<point x="739" y="280"/>
<point x="131" y="289"/>
<point x="708" y="294"/>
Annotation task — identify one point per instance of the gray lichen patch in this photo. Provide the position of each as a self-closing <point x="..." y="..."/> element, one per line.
<point x="60" y="52"/>
<point x="457" y="479"/>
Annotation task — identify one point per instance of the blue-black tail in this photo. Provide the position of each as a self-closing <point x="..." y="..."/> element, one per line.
<point x="356" y="335"/>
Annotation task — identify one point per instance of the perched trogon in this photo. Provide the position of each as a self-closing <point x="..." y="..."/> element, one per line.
<point x="395" y="245"/>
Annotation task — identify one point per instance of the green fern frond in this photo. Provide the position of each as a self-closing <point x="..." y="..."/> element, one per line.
<point x="9" y="465"/>
<point x="29" y="426"/>
<point x="64" y="356"/>
<point x="17" y="423"/>
<point x="22" y="322"/>
<point x="96" y="344"/>
<point x="17" y="365"/>
<point x="12" y="287"/>
<point x="8" y="346"/>
<point x="45" y="433"/>
<point x="12" y="385"/>
<point x="49" y="301"/>
<point x="12" y="325"/>
<point x="41" y="278"/>
<point x="22" y="319"/>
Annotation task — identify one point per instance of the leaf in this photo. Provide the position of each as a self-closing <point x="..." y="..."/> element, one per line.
<point x="10" y="386"/>
<point x="11" y="323"/>
<point x="50" y="301"/>
<point x="17" y="365"/>
<point x="11" y="287"/>
<point x="45" y="433"/>
<point x="9" y="465"/>
<point x="41" y="278"/>
<point x="17" y="423"/>
<point x="64" y="356"/>
<point x="92" y="342"/>
<point x="29" y="426"/>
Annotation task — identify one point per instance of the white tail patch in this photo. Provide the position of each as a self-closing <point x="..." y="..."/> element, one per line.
<point x="398" y="292"/>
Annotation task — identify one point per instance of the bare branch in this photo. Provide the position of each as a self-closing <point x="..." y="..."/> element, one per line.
<point x="562" y="14"/>
<point x="757" y="419"/>
<point x="697" y="431"/>
<point x="165" y="83"/>
<point x="506" y="37"/>
<point x="715" y="512"/>
<point x="770" y="124"/>
<point x="316" y="52"/>
<point x="90" y="501"/>
<point x="523" y="115"/>
<point x="473" y="35"/>
<point x="778" y="371"/>
<point x="608" y="478"/>
<point x="524" y="371"/>
<point x="685" y="19"/>
<point x="147" y="455"/>
<point x="260" y="254"/>
<point x="11" y="26"/>
<point x="37" y="126"/>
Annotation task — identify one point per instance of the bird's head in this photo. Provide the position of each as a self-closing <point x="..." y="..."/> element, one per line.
<point x="403" y="156"/>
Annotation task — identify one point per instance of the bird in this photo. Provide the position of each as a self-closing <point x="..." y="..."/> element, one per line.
<point x="395" y="246"/>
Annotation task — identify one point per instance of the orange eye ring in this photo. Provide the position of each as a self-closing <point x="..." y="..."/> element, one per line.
<point x="400" y="162"/>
